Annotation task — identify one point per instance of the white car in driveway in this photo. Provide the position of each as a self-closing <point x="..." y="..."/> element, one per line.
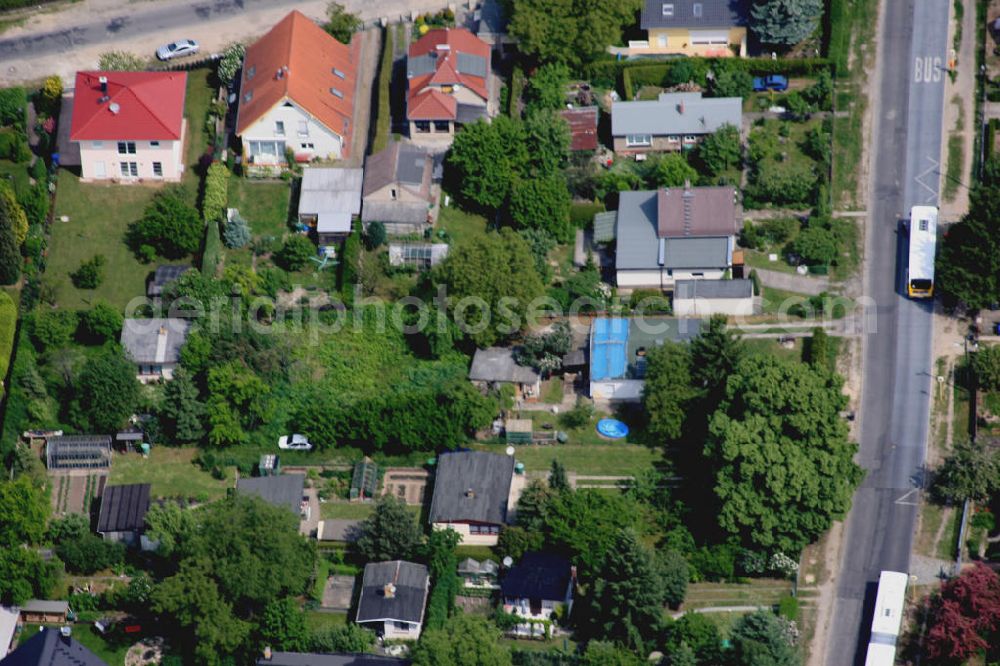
<point x="178" y="49"/>
<point x="294" y="443"/>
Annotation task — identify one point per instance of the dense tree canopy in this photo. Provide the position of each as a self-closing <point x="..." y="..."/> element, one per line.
<point x="465" y="640"/>
<point x="169" y="226"/>
<point x="971" y="471"/>
<point x="546" y="88"/>
<point x="485" y="158"/>
<point x="964" y="617"/>
<point x="108" y="390"/>
<point x="542" y="203"/>
<point x="496" y="271"/>
<point x="784" y="22"/>
<point x="389" y="532"/>
<point x="783" y="465"/>
<point x="762" y="638"/>
<point x="968" y="260"/>
<point x="569" y="31"/>
<point x="720" y="151"/>
<point x="24" y="510"/>
<point x="668" y="392"/>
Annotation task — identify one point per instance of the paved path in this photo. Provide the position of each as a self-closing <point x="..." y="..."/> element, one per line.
<point x="801" y="284"/>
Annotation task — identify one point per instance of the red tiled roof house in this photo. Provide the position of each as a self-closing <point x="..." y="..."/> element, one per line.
<point x="297" y="93"/>
<point x="129" y="125"/>
<point x="448" y="76"/>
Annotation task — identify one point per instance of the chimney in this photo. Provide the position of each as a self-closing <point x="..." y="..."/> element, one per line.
<point x="572" y="573"/>
<point x="104" y="84"/>
<point x="267" y="653"/>
<point x="680" y="107"/>
<point x="114" y="108"/>
<point x="687" y="184"/>
<point x="66" y="632"/>
<point x="470" y="493"/>
<point x="280" y="74"/>
<point x="389" y="591"/>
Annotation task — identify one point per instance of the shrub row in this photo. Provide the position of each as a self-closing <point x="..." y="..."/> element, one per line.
<point x="8" y="322"/>
<point x="213" y="204"/>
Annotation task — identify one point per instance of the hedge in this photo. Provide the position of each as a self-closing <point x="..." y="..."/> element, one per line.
<point x="582" y="214"/>
<point x="212" y="253"/>
<point x="628" y="75"/>
<point x="8" y="322"/>
<point x="213" y="204"/>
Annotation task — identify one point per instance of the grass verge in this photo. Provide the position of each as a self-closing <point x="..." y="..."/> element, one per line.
<point x="263" y="204"/>
<point x="172" y="473"/>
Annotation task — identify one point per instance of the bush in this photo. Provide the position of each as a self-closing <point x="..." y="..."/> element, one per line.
<point x="14" y="146"/>
<point x="169" y="226"/>
<point x="89" y="553"/>
<point x="216" y="197"/>
<point x="120" y="61"/>
<point x="100" y="323"/>
<point x="579" y="416"/>
<point x="53" y="329"/>
<point x="788" y="608"/>
<point x="50" y="96"/>
<point x="375" y="235"/>
<point x="295" y="254"/>
<point x="90" y="274"/>
<point x="649" y="301"/>
<point x="230" y="63"/>
<point x="778" y="185"/>
<point x="13" y="106"/>
<point x="237" y="233"/>
<point x="8" y="320"/>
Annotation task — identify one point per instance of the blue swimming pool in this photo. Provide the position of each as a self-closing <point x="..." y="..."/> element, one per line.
<point x="612" y="428"/>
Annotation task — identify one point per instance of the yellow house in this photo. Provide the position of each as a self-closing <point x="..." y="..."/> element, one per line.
<point x="707" y="28"/>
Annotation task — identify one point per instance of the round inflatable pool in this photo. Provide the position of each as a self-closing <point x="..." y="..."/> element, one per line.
<point x="612" y="428"/>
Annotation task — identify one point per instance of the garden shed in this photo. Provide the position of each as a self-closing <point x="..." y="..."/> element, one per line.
<point x="519" y="431"/>
<point x="364" y="481"/>
<point x="78" y="452"/>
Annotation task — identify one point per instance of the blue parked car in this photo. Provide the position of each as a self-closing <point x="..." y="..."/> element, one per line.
<point x="775" y="82"/>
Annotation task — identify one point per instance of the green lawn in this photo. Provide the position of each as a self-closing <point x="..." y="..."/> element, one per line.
<point x="261" y="203"/>
<point x="592" y="459"/>
<point x="171" y="472"/>
<point x="757" y="592"/>
<point x="461" y="225"/>
<point x="316" y="620"/>
<point x="199" y="96"/>
<point x="16" y="174"/>
<point x="787" y="303"/>
<point x="99" y="216"/>
<point x="552" y="391"/>
<point x="354" y="510"/>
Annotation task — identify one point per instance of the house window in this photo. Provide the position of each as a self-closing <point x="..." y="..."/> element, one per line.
<point x="690" y="138"/>
<point x="303" y="128"/>
<point x="126" y="147"/>
<point x="267" y="151"/>
<point x="339" y="73"/>
<point x="130" y="169"/>
<point x="393" y="192"/>
<point x="97" y="144"/>
<point x="248" y="96"/>
<point x="154" y="144"/>
<point x="423" y="126"/>
<point x="668" y="9"/>
<point x="673" y="138"/>
<point x="698" y="274"/>
<point x="307" y="146"/>
<point x="484" y="529"/>
<point x="158" y="169"/>
<point x="696" y="9"/>
<point x="279" y="127"/>
<point x="251" y="72"/>
<point x="441" y="126"/>
<point x="638" y="140"/>
<point x="337" y="93"/>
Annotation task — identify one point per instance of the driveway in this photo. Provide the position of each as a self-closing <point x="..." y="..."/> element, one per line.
<point x="800" y="284"/>
<point x="62" y="42"/>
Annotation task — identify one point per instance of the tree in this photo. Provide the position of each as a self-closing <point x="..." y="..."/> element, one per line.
<point x="675" y="573"/>
<point x="12" y="106"/>
<point x="668" y="392"/>
<point x="120" y="61"/>
<point x="819" y="349"/>
<point x="296" y="253"/>
<point x="695" y="633"/>
<point x="375" y="235"/>
<point x="557" y="476"/>
<point x="237" y="400"/>
<point x="762" y="638"/>
<point x="88" y="553"/>
<point x="90" y="274"/>
<point x="968" y="260"/>
<point x="965" y="616"/>
<point x="465" y="640"/>
<point x="346" y="638"/>
<point x="986" y="364"/>
<point x="626" y="601"/>
<point x="24" y="574"/>
<point x="341" y="24"/>
<point x="108" y="390"/>
<point x="732" y="82"/>
<point x="484" y="159"/>
<point x="101" y="323"/>
<point x="603" y="653"/>
<point x="720" y="151"/>
<point x="542" y="203"/>
<point x="573" y="32"/>
<point x="715" y="353"/>
<point x="816" y="245"/>
<point x="673" y="170"/>
<point x="389" y="533"/>
<point x="169" y="226"/>
<point x="70" y="526"/>
<point x="24" y="510"/>
<point x="53" y="329"/>
<point x="283" y="626"/>
<point x="549" y="137"/>
<point x="784" y="22"/>
<point x="546" y="89"/>
<point x="783" y="466"/>
<point x="495" y="270"/>
<point x="182" y="411"/>
<point x="971" y="472"/>
<point x="441" y="564"/>
<point x="11" y="213"/>
<point x="236" y="233"/>
<point x="171" y="527"/>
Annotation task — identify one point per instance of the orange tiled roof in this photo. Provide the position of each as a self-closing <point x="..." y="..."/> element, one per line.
<point x="312" y="63"/>
<point x="445" y="44"/>
<point x="431" y="104"/>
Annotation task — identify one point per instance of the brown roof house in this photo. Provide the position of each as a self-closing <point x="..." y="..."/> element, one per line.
<point x="582" y="123"/>
<point x="297" y="94"/>
<point x="680" y="233"/>
<point x="401" y="188"/>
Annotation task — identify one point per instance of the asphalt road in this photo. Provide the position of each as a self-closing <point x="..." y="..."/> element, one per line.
<point x="898" y="364"/>
<point x="132" y="22"/>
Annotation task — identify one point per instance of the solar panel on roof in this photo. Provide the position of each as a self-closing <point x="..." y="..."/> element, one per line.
<point x="471" y="64"/>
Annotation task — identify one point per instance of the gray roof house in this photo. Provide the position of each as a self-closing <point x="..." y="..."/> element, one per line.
<point x="674" y="121"/>
<point x="283" y="490"/>
<point x="675" y="234"/>
<point x="154" y="345"/>
<point x="704" y="298"/>
<point x="50" y="647"/>
<point x="400" y="188"/>
<point x="163" y="276"/>
<point x="472" y="493"/>
<point x="123" y="512"/>
<point x="496" y="365"/>
<point x="329" y="200"/>
<point x="393" y="597"/>
<point x="706" y="28"/>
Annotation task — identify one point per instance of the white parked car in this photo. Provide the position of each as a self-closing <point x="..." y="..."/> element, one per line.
<point x="294" y="443"/>
<point x="178" y="49"/>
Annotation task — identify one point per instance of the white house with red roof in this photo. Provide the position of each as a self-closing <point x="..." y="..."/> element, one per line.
<point x="448" y="75"/>
<point x="129" y="125"/>
<point x="297" y="94"/>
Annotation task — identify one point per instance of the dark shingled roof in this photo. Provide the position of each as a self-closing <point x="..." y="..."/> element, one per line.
<point x="537" y="576"/>
<point x="472" y="486"/>
<point x="713" y="289"/>
<point x="497" y="364"/>
<point x="285" y="490"/>
<point x="339" y="659"/>
<point x="123" y="508"/>
<point x="407" y="602"/>
<point x="163" y="276"/>
<point x="713" y="14"/>
<point x="49" y="648"/>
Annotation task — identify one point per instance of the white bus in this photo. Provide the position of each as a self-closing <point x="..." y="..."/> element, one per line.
<point x="887" y="618"/>
<point x="923" y="240"/>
